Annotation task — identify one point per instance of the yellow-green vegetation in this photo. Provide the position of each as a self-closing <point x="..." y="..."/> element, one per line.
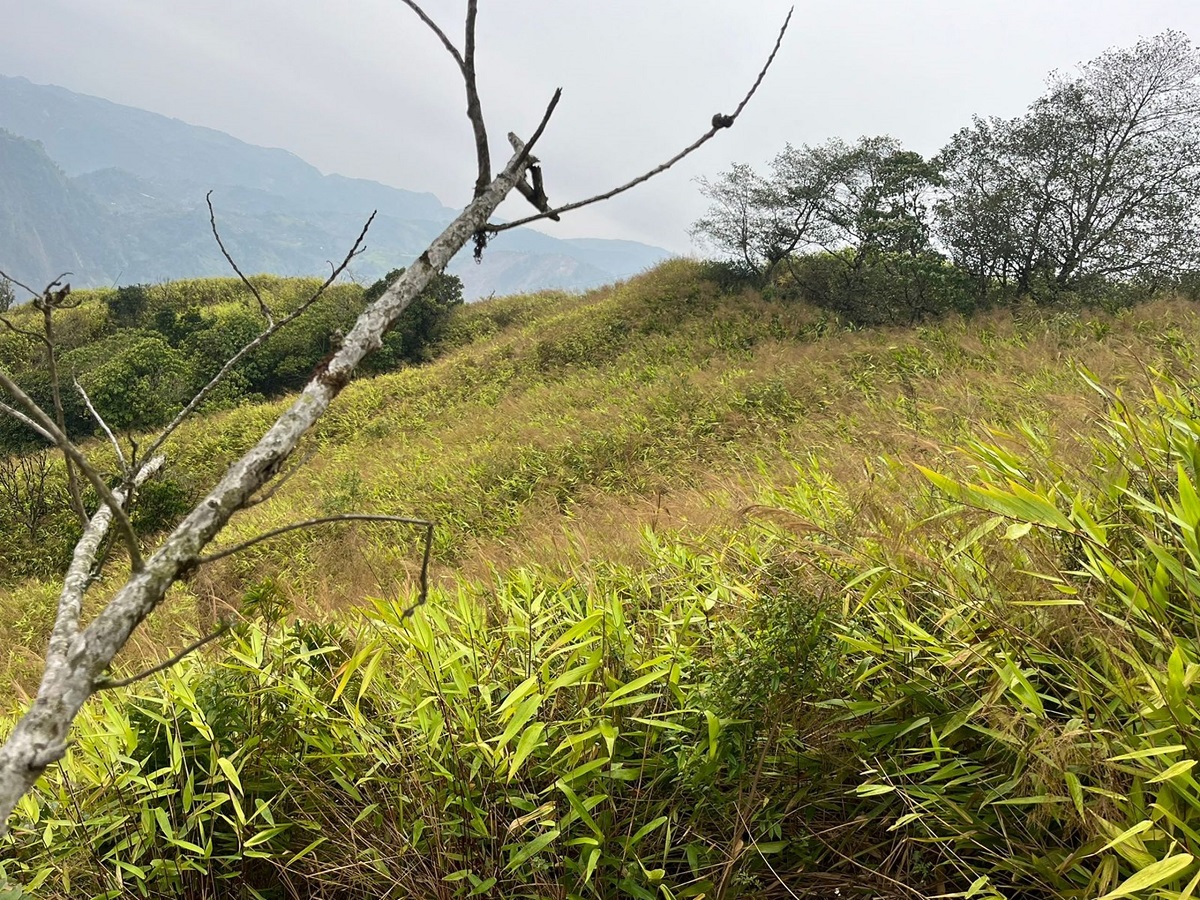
<point x="730" y="601"/>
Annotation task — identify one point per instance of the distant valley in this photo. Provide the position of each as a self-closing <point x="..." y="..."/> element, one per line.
<point x="116" y="194"/>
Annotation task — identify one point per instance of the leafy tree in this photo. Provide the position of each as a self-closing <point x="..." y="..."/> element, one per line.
<point x="7" y="296"/>
<point x="761" y="223"/>
<point x="177" y="328"/>
<point x="141" y="386"/>
<point x="128" y="304"/>
<point x="868" y="205"/>
<point x="878" y="198"/>
<point x="1099" y="179"/>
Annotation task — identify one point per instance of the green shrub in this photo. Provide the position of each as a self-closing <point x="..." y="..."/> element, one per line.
<point x="882" y="288"/>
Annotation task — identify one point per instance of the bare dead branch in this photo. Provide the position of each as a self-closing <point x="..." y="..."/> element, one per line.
<point x="212" y="221"/>
<point x="48" y="303"/>
<point x="466" y="66"/>
<point x="524" y="149"/>
<point x="19" y="284"/>
<point x="112" y="438"/>
<point x="204" y="392"/>
<point x="535" y="193"/>
<point x="441" y="35"/>
<point x="21" y="331"/>
<point x="311" y="523"/>
<point x="719" y="123"/>
<point x="474" y="109"/>
<point x="57" y="299"/>
<point x="75" y="455"/>
<point x="107" y="684"/>
<point x="84" y="565"/>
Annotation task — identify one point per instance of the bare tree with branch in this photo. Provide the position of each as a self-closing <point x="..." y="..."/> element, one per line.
<point x="79" y="655"/>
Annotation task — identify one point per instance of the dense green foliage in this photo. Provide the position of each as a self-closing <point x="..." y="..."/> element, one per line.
<point x="143" y="351"/>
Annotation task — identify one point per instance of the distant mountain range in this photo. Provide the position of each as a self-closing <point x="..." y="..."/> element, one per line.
<point x="115" y="195"/>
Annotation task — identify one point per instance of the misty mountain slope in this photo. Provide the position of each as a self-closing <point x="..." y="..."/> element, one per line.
<point x="84" y="134"/>
<point x="127" y="205"/>
<point x="48" y="224"/>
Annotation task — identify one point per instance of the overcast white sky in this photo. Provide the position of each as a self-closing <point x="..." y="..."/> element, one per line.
<point x="359" y="87"/>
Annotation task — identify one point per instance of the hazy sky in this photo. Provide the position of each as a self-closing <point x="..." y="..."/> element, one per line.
<point x="362" y="89"/>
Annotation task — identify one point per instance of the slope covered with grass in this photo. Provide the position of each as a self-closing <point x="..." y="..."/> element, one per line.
<point x="702" y="625"/>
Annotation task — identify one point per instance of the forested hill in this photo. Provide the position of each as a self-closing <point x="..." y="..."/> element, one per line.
<point x="132" y="209"/>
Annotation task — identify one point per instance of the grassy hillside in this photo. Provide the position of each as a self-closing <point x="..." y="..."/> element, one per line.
<point x="702" y="625"/>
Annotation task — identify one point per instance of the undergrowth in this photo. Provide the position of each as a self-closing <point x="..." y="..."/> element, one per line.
<point x="973" y="676"/>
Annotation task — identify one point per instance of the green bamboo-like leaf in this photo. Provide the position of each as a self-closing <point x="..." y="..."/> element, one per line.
<point x="650" y="826"/>
<point x="231" y="772"/>
<point x="1151" y="876"/>
<point x="307" y="849"/>
<point x="637" y="684"/>
<point x="531" y="740"/>
<point x="1147" y="752"/>
<point x="537" y="845"/>
<point x="1018" y="503"/>
<point x="266" y="834"/>
<point x="519" y="693"/>
<point x="521" y="714"/>
<point x="1179" y="768"/>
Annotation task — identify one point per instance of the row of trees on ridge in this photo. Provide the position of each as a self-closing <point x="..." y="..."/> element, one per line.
<point x="1098" y="182"/>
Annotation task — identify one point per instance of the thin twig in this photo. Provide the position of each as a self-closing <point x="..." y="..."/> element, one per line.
<point x="309" y="523"/>
<point x="257" y="342"/>
<point x="423" y="591"/>
<point x="466" y="65"/>
<point x="528" y="148"/>
<point x="720" y="123"/>
<point x="109" y="683"/>
<point x="19" y="284"/>
<point x="21" y="331"/>
<point x="474" y="108"/>
<point x="87" y="401"/>
<point x="75" y="455"/>
<point x="50" y="301"/>
<point x="423" y="595"/>
<point x="212" y="221"/>
<point x="411" y="4"/>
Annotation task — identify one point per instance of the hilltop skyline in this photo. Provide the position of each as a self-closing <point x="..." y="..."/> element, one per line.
<point x="266" y="74"/>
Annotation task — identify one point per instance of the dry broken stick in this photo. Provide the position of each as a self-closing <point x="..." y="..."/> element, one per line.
<point x="466" y="67"/>
<point x="212" y="221"/>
